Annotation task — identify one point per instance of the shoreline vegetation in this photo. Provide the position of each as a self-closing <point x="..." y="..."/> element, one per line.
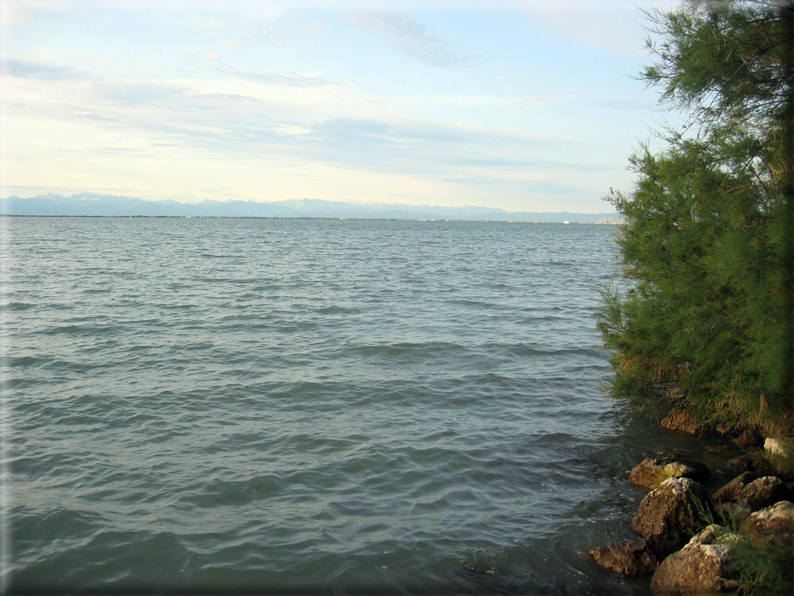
<point x="702" y="326"/>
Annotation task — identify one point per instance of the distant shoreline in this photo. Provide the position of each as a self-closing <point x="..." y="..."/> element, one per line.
<point x="91" y="204"/>
<point x="330" y="218"/>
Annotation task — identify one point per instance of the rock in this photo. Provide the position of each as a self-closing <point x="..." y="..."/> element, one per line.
<point x="653" y="471"/>
<point x="730" y="492"/>
<point x="748" y="439"/>
<point x="774" y="446"/>
<point x="764" y="492"/>
<point x="698" y="568"/>
<point x="671" y="514"/>
<point x="729" y="430"/>
<point x="680" y="419"/>
<point x="748" y="463"/>
<point x="635" y="557"/>
<point x="776" y="521"/>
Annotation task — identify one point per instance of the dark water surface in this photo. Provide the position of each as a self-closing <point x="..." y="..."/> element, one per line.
<point x="320" y="405"/>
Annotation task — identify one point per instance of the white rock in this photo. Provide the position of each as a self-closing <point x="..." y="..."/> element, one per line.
<point x="773" y="446"/>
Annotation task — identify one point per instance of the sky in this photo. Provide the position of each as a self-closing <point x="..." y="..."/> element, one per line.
<point x="527" y="105"/>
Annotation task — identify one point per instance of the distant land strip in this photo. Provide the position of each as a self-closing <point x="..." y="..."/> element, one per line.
<point x="90" y="204"/>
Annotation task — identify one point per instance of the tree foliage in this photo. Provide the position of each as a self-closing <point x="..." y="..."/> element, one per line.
<point x="707" y="239"/>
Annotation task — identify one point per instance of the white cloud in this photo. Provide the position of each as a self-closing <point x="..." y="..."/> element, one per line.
<point x="289" y="79"/>
<point x="291" y="130"/>
<point x="301" y="104"/>
<point x="10" y="14"/>
<point x="412" y="38"/>
<point x="615" y="26"/>
<point x="25" y="69"/>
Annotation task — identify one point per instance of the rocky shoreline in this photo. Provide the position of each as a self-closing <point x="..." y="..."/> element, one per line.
<point x="690" y="541"/>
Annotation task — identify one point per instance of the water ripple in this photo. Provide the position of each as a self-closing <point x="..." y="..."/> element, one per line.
<point x="285" y="405"/>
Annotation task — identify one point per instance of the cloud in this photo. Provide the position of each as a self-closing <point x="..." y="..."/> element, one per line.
<point x="528" y="187"/>
<point x="36" y="70"/>
<point x="412" y="38"/>
<point x="214" y="63"/>
<point x="136" y="94"/>
<point x="229" y="121"/>
<point x="290" y="79"/>
<point x="614" y="26"/>
<point x="444" y="152"/>
<point x="542" y="188"/>
<point x="11" y="15"/>
<point x="405" y="133"/>
<point x="291" y="129"/>
<point x="468" y="180"/>
<point x="370" y="131"/>
<point x="624" y="105"/>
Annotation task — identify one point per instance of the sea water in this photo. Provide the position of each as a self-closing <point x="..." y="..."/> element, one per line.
<point x="295" y="405"/>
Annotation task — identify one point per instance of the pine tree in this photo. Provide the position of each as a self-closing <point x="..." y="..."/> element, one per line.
<point x="708" y="243"/>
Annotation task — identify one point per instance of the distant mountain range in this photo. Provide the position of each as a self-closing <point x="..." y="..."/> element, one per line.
<point x="83" y="204"/>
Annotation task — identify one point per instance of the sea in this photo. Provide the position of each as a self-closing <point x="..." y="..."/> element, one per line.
<point x="311" y="406"/>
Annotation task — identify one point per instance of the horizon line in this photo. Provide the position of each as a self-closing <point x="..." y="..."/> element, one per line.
<point x="76" y="196"/>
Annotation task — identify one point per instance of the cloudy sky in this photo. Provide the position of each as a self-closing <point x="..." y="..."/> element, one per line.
<point x="524" y="105"/>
